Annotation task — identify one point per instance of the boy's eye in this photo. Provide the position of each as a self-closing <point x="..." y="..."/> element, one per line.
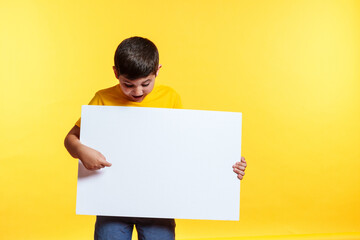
<point x="131" y="85"/>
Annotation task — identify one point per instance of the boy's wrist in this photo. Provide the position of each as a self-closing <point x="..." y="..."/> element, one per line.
<point x="79" y="149"/>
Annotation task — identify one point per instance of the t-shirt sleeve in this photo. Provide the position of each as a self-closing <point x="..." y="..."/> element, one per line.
<point x="96" y="100"/>
<point x="178" y="103"/>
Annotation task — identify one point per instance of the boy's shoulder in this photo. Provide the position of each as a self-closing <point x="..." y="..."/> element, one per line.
<point x="164" y="89"/>
<point x="167" y="95"/>
<point x="109" y="91"/>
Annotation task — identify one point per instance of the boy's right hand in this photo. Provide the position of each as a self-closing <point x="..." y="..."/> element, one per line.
<point x="92" y="159"/>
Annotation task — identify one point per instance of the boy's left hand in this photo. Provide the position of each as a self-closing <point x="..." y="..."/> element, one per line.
<point x="239" y="168"/>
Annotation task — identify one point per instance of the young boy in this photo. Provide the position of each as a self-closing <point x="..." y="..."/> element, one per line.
<point x="136" y="67"/>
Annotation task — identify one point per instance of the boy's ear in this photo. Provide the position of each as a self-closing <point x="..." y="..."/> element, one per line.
<point x="157" y="72"/>
<point x="116" y="72"/>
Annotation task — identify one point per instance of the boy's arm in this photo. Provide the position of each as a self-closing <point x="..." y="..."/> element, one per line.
<point x="91" y="159"/>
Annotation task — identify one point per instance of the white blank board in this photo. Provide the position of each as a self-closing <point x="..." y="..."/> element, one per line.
<point x="166" y="163"/>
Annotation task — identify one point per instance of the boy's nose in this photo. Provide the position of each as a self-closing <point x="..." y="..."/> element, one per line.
<point x="138" y="91"/>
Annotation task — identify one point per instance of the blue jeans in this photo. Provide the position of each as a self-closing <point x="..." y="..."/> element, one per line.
<point x="121" y="228"/>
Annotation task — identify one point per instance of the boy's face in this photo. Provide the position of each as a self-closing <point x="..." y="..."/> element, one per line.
<point x="136" y="90"/>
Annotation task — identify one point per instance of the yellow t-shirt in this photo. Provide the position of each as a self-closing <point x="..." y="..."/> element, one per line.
<point x="160" y="97"/>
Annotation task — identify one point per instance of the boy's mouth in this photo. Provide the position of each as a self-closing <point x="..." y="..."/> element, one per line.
<point x="138" y="97"/>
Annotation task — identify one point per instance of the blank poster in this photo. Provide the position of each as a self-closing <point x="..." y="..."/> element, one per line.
<point x="166" y="163"/>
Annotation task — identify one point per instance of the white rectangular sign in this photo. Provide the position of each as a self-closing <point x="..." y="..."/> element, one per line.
<point x="166" y="163"/>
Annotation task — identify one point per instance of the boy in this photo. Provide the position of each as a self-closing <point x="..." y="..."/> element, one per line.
<point x="136" y="67"/>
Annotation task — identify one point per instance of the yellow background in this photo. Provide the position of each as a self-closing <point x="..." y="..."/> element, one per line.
<point x="291" y="68"/>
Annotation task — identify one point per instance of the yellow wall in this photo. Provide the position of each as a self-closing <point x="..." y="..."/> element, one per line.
<point x="291" y="67"/>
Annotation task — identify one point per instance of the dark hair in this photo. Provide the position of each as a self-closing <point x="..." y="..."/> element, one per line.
<point x="136" y="57"/>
